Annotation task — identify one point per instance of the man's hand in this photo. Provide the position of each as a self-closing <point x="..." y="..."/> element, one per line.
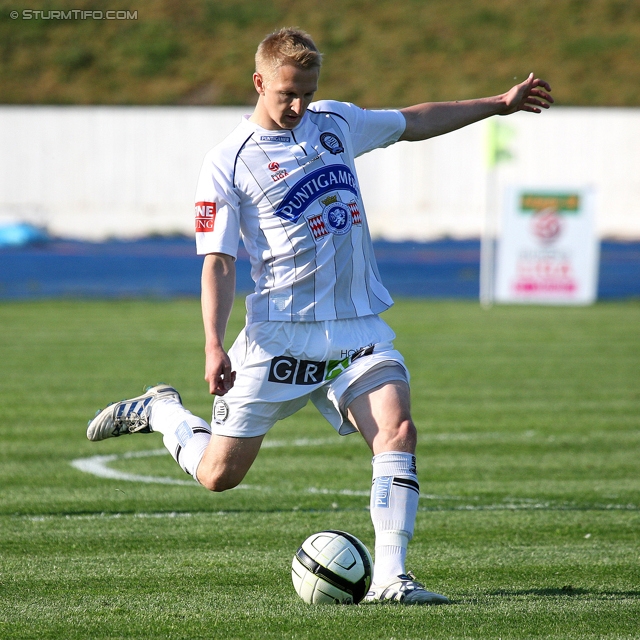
<point x="527" y="96"/>
<point x="218" y="288"/>
<point x="217" y="372"/>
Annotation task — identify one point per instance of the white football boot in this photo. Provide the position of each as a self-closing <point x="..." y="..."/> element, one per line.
<point x="128" y="416"/>
<point x="403" y="590"/>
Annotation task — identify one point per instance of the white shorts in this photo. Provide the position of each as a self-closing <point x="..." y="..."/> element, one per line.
<point x="280" y="366"/>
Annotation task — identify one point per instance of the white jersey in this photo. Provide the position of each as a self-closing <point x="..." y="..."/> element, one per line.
<point x="294" y="197"/>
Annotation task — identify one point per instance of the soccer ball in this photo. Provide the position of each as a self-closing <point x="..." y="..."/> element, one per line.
<point x="332" y="567"/>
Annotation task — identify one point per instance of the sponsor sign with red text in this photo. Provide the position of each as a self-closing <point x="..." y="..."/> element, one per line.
<point x="548" y="250"/>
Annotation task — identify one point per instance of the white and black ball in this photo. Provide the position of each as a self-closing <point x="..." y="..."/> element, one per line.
<point x="332" y="567"/>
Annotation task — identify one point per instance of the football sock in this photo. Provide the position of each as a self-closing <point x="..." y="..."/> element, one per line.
<point x="185" y="436"/>
<point x="394" y="505"/>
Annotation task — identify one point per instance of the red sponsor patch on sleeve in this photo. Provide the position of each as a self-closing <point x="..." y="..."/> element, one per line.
<point x="205" y="216"/>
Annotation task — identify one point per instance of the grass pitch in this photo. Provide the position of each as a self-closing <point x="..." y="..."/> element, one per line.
<point x="528" y="461"/>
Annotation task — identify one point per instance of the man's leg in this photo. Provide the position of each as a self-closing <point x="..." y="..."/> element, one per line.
<point x="383" y="417"/>
<point x="217" y="462"/>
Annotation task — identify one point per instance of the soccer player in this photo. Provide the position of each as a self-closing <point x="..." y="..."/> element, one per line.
<point x="285" y="180"/>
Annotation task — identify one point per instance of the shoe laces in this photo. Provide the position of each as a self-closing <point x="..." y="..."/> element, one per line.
<point x="131" y="422"/>
<point x="411" y="575"/>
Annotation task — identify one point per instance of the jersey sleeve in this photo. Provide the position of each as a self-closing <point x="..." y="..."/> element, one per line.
<point x="217" y="209"/>
<point x="369" y="129"/>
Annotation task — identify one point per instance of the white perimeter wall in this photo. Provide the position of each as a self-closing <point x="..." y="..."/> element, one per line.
<point x="96" y="172"/>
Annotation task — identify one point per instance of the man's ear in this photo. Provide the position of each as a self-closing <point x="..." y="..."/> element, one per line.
<point x="259" y="83"/>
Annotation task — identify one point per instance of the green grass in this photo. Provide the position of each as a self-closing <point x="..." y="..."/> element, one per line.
<point x="404" y="52"/>
<point x="528" y="464"/>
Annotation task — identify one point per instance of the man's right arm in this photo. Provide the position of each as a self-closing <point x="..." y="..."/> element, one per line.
<point x="432" y="119"/>
<point x="218" y="290"/>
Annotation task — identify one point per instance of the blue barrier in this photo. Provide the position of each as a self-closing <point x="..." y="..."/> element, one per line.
<point x="168" y="267"/>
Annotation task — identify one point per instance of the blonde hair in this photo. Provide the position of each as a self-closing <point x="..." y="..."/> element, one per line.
<point x="288" y="46"/>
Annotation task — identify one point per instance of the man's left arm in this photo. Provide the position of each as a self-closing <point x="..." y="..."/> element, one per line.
<point x="432" y="119"/>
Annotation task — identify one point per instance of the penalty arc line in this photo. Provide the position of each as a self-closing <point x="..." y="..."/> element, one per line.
<point x="99" y="466"/>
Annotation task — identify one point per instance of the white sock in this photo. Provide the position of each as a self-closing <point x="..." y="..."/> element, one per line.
<point x="394" y="505"/>
<point x="185" y="436"/>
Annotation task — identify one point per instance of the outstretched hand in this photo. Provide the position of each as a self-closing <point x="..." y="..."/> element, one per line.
<point x="531" y="95"/>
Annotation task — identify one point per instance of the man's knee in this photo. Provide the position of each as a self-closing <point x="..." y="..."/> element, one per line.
<point x="404" y="437"/>
<point x="219" y="477"/>
<point x="226" y="462"/>
<point x="215" y="481"/>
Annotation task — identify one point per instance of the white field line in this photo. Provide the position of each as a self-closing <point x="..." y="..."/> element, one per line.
<point x="99" y="466"/>
<point x="208" y="514"/>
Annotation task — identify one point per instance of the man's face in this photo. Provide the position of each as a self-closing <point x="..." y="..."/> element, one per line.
<point x="286" y="97"/>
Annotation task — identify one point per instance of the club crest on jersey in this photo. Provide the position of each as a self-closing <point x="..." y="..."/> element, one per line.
<point x="318" y="183"/>
<point x="220" y="411"/>
<point x="336" y="217"/>
<point x="331" y="143"/>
